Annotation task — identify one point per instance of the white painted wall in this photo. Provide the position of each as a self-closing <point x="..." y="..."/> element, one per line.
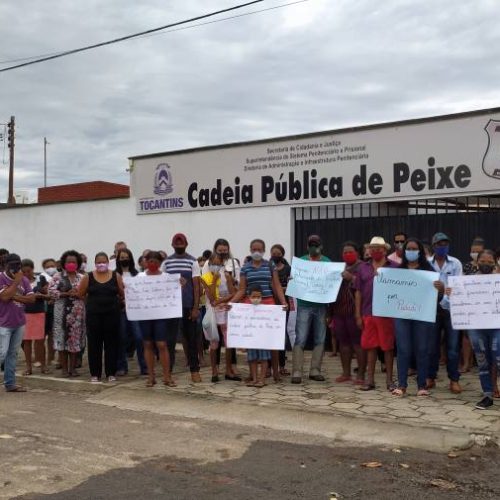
<point x="42" y="231"/>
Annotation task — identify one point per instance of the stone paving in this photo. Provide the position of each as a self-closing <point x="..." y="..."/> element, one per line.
<point x="441" y="409"/>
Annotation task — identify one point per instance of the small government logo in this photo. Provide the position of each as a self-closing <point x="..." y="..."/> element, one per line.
<point x="491" y="160"/>
<point x="163" y="180"/>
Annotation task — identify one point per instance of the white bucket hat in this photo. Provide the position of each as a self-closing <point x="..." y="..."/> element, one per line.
<point x="379" y="241"/>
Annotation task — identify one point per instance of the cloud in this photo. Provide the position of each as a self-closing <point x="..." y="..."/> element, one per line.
<point x="308" y="67"/>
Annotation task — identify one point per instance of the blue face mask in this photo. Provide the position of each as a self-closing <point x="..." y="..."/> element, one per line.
<point x="442" y="251"/>
<point x="412" y="255"/>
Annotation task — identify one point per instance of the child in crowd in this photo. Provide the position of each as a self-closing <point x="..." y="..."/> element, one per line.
<point x="35" y="319"/>
<point x="257" y="358"/>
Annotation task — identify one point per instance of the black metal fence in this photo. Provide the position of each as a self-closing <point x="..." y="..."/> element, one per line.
<point x="462" y="219"/>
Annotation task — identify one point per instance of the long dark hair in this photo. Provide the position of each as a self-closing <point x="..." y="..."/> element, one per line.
<point x="423" y="263"/>
<point x="131" y="267"/>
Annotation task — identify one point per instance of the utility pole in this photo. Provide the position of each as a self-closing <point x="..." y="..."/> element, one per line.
<point x="11" y="135"/>
<point x="45" y="142"/>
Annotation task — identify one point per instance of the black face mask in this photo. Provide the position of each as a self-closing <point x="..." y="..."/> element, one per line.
<point x="485" y="268"/>
<point x="125" y="263"/>
<point x="180" y="250"/>
<point x="223" y="255"/>
<point x="14" y="268"/>
<point x="277" y="260"/>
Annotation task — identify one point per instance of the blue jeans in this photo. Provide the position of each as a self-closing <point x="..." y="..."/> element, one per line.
<point x="10" y="342"/>
<point x="486" y="345"/>
<point x="307" y="316"/>
<point x="128" y="328"/>
<point x="413" y="339"/>
<point x="452" y="339"/>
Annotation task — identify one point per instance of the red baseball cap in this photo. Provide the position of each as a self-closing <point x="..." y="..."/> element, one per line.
<point x="179" y="237"/>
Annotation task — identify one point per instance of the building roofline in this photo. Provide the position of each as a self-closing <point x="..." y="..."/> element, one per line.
<point x="375" y="126"/>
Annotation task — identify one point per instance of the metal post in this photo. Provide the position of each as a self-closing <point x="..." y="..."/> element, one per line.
<point x="45" y="161"/>
<point x="11" y="200"/>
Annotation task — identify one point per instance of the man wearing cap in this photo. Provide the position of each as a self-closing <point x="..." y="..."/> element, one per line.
<point x="376" y="332"/>
<point x="445" y="265"/>
<point x="15" y="291"/>
<point x="187" y="266"/>
<point x="310" y="313"/>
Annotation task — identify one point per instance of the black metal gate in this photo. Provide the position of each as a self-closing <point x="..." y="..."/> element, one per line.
<point x="462" y="219"/>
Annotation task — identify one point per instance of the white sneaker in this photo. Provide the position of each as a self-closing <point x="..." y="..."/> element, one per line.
<point x="111" y="379"/>
<point x="95" y="380"/>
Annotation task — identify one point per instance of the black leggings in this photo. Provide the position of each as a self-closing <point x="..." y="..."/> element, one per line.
<point x="103" y="330"/>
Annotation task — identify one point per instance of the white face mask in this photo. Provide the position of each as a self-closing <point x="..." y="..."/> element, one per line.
<point x="473" y="255"/>
<point x="83" y="267"/>
<point x="51" y="271"/>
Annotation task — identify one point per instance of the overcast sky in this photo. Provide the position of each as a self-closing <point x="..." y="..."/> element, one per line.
<point x="318" y="65"/>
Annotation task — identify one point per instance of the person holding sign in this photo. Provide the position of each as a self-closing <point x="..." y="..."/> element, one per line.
<point x="310" y="314"/>
<point x="485" y="342"/>
<point x="446" y="266"/>
<point x="376" y="331"/>
<point x="154" y="331"/>
<point x="260" y="276"/>
<point x="413" y="336"/>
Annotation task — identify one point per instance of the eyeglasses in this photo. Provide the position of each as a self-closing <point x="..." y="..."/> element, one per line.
<point x="399" y="241"/>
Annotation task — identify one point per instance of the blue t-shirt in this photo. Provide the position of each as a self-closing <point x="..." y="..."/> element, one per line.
<point x="261" y="276"/>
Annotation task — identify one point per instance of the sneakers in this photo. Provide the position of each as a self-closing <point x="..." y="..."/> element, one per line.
<point x="95" y="380"/>
<point x="111" y="379"/>
<point x="484" y="404"/>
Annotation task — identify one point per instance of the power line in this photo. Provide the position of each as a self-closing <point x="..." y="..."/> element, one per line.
<point x="9" y="61"/>
<point x="128" y="37"/>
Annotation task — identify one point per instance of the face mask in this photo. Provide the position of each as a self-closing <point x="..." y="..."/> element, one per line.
<point x="14" y="268"/>
<point x="314" y="250"/>
<point x="51" y="271"/>
<point x="71" y="267"/>
<point x="125" y="263"/>
<point x="277" y="260"/>
<point x="180" y="250"/>
<point x="83" y="267"/>
<point x="349" y="258"/>
<point x="442" y="251"/>
<point x="485" y="268"/>
<point x="473" y="255"/>
<point x="377" y="255"/>
<point x="102" y="267"/>
<point x="412" y="255"/>
<point x="398" y="244"/>
<point x="223" y="255"/>
<point x="255" y="301"/>
<point x="257" y="255"/>
<point x="153" y="266"/>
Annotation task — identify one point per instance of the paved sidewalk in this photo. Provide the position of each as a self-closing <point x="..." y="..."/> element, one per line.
<point x="441" y="410"/>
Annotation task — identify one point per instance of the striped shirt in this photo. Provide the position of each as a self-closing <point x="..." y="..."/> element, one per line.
<point x="187" y="266"/>
<point x="259" y="276"/>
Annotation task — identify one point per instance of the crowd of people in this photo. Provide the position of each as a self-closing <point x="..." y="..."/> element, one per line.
<point x="66" y="311"/>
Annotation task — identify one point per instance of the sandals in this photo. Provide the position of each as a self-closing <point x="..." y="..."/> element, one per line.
<point x="250" y="383"/>
<point x="367" y="387"/>
<point x="46" y="371"/>
<point x="423" y="392"/>
<point x="16" y="388"/>
<point x="27" y="372"/>
<point x="259" y="384"/>
<point x="284" y="372"/>
<point x="399" y="392"/>
<point x="151" y="383"/>
<point x="392" y="386"/>
<point x="169" y="383"/>
<point x="342" y="378"/>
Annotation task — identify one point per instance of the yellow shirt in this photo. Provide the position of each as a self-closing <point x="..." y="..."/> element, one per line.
<point x="208" y="279"/>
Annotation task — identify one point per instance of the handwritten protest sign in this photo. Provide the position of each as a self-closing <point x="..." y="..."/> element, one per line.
<point x="475" y="301"/>
<point x="256" y="327"/>
<point x="315" y="281"/>
<point x="153" y="297"/>
<point x="405" y="294"/>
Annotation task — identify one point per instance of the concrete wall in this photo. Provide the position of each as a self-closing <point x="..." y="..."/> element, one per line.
<point x="41" y="231"/>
